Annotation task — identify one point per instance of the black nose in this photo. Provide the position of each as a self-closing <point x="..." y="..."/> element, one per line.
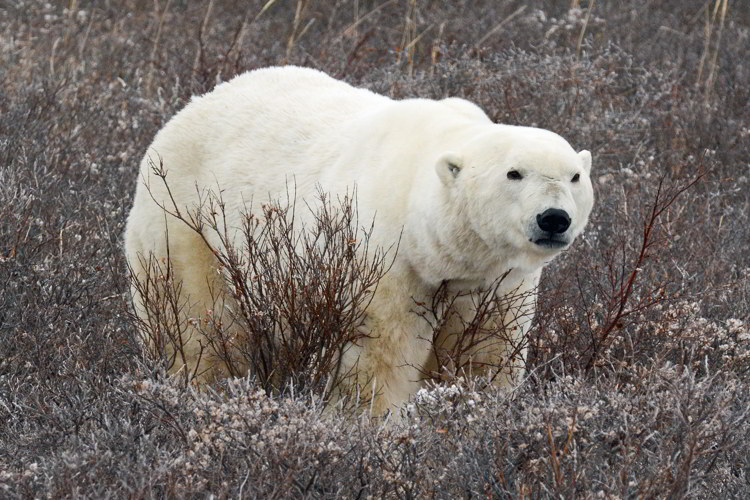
<point x="553" y="220"/>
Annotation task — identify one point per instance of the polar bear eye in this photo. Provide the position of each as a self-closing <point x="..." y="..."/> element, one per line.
<point x="575" y="178"/>
<point x="515" y="175"/>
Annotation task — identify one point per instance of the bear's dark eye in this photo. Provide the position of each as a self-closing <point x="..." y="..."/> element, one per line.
<point x="515" y="175"/>
<point x="575" y="178"/>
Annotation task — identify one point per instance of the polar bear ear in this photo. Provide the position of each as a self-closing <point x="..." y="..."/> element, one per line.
<point x="585" y="157"/>
<point x="448" y="167"/>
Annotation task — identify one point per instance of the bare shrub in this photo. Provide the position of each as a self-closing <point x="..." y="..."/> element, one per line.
<point x="615" y="295"/>
<point x="294" y="298"/>
<point x="160" y="316"/>
<point x="486" y="336"/>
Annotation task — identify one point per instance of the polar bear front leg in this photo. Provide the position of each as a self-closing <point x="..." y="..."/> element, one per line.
<point x="492" y="347"/>
<point x="386" y="367"/>
<point x="503" y="356"/>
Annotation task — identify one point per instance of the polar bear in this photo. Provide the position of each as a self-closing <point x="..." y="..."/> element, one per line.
<point x="466" y="199"/>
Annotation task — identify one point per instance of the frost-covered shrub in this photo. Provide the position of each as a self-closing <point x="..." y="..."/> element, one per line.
<point x="662" y="410"/>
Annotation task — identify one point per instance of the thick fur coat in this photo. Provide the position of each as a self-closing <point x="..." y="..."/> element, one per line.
<point x="467" y="200"/>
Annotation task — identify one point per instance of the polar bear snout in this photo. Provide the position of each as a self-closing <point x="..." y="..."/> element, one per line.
<point x="553" y="220"/>
<point x="550" y="228"/>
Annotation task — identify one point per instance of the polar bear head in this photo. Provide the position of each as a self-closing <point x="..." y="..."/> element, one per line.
<point x="523" y="191"/>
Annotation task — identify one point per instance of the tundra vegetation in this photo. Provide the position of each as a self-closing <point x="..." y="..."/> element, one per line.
<point x="639" y="358"/>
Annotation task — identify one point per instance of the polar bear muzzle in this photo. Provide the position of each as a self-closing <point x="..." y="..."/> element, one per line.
<point x="552" y="224"/>
<point x="553" y="220"/>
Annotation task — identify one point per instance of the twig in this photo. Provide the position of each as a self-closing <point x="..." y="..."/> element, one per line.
<point x="627" y="284"/>
<point x="583" y="28"/>
<point x="350" y="29"/>
<point x="199" y="56"/>
<point x="710" y="80"/>
<point x="499" y="25"/>
<point x="157" y="39"/>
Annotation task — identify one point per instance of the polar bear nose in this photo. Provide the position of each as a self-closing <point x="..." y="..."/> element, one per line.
<point x="553" y="220"/>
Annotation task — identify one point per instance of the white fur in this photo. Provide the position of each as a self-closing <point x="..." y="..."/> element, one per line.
<point x="431" y="172"/>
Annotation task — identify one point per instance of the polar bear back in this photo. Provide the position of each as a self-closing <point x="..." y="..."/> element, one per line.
<point x="273" y="131"/>
<point x="260" y="111"/>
